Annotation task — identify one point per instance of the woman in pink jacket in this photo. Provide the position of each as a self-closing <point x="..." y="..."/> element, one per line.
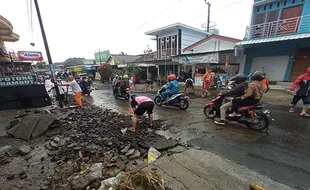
<point x="140" y="105"/>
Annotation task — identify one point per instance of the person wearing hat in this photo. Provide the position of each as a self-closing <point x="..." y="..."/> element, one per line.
<point x="140" y="105"/>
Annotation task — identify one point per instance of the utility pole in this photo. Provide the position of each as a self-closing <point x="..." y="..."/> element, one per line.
<point x="208" y="21"/>
<point x="48" y="52"/>
<point x="99" y="57"/>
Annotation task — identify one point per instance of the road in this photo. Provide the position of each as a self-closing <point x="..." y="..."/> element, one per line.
<point x="282" y="154"/>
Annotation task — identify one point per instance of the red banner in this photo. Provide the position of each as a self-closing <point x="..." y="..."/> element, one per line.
<point x="29" y="56"/>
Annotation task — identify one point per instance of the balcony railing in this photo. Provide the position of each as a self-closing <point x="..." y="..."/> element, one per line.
<point x="161" y="54"/>
<point x="280" y="27"/>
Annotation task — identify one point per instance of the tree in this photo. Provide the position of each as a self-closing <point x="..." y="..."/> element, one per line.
<point x="41" y="65"/>
<point x="105" y="71"/>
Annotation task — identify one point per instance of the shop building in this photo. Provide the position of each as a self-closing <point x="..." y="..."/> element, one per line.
<point x="277" y="39"/>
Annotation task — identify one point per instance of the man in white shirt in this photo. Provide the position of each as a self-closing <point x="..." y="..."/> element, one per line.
<point x="76" y="90"/>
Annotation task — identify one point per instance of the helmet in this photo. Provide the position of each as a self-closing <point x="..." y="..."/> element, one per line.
<point x="238" y="79"/>
<point x="258" y="75"/>
<point x="172" y="77"/>
<point x="125" y="76"/>
<point x="133" y="96"/>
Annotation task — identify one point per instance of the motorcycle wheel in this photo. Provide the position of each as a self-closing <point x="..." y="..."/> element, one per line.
<point x="261" y="122"/>
<point x="158" y="101"/>
<point x="209" y="112"/>
<point x="127" y="96"/>
<point x="115" y="95"/>
<point x="183" y="104"/>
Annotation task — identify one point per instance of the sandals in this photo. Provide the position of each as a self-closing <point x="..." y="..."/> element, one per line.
<point x="304" y="115"/>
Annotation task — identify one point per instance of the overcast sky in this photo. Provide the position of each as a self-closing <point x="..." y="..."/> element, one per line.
<point x="78" y="28"/>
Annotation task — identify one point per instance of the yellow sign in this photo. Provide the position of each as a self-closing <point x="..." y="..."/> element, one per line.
<point x="77" y="69"/>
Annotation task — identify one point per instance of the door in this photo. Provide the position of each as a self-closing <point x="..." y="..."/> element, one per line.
<point x="290" y="18"/>
<point x="275" y="66"/>
<point x="301" y="63"/>
<point x="271" y="23"/>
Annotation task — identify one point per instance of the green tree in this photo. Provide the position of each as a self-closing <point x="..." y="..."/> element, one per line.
<point x="105" y="71"/>
<point x="41" y="65"/>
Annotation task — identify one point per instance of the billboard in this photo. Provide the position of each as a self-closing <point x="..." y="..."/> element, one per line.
<point x="17" y="80"/>
<point x="29" y="56"/>
<point x="102" y="56"/>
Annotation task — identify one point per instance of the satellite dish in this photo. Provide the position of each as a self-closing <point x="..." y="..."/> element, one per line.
<point x="212" y="25"/>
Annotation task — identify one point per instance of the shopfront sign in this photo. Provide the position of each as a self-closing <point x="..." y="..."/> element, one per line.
<point x="29" y="56"/>
<point x="193" y="59"/>
<point x="77" y="69"/>
<point x="18" y="80"/>
<point x="90" y="68"/>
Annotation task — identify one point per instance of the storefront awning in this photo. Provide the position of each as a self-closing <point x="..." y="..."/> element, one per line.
<point x="205" y="58"/>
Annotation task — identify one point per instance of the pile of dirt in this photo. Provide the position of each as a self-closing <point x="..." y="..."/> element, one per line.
<point x="193" y="95"/>
<point x="94" y="135"/>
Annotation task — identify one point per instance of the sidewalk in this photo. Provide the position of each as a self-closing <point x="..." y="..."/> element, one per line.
<point x="197" y="169"/>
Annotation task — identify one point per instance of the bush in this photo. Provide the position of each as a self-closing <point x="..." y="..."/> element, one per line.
<point x="105" y="71"/>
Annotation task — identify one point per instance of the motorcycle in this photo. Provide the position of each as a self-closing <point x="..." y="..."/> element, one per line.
<point x="124" y="93"/>
<point x="255" y="116"/>
<point x="86" y="90"/>
<point x="176" y="100"/>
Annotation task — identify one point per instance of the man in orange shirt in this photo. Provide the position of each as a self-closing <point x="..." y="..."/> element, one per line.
<point x="207" y="80"/>
<point x="265" y="84"/>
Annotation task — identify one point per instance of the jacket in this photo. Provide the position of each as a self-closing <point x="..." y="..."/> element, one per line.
<point x="173" y="86"/>
<point x="301" y="86"/>
<point x="238" y="90"/>
<point x="254" y="91"/>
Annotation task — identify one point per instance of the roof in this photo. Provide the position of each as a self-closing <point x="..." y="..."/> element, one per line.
<point x="213" y="36"/>
<point x="124" y="58"/>
<point x="173" y="26"/>
<point x="263" y="2"/>
<point x="274" y="39"/>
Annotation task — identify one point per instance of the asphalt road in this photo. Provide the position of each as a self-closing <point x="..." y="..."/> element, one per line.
<point x="283" y="153"/>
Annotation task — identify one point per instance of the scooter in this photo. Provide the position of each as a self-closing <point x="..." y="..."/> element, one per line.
<point x="124" y="93"/>
<point x="255" y="117"/>
<point x="176" y="100"/>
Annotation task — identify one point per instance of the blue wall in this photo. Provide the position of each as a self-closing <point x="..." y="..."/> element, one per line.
<point x="275" y="49"/>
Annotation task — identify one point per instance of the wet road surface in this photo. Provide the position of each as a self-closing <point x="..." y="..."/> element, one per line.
<point x="282" y="154"/>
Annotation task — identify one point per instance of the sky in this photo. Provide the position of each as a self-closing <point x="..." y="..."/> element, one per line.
<point x="78" y="28"/>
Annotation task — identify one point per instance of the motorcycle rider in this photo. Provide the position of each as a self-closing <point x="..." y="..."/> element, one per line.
<point x="301" y="90"/>
<point x="242" y="85"/>
<point x="172" y="86"/>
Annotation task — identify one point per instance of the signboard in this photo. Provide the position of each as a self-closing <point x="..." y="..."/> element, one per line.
<point x="207" y="58"/>
<point x="29" y="56"/>
<point x="102" y="56"/>
<point x="17" y="80"/>
<point x="90" y="68"/>
<point x="77" y="69"/>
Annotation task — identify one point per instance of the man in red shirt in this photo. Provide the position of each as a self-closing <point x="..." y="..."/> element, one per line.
<point x="301" y="90"/>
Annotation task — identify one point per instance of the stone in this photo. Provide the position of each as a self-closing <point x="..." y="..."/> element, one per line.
<point x="24" y="150"/>
<point x="95" y="171"/>
<point x="139" y="162"/>
<point x="197" y="147"/>
<point x="11" y="176"/>
<point x="114" y="159"/>
<point x="121" y="165"/>
<point x="56" y="139"/>
<point x="135" y="155"/>
<point x="177" y="149"/>
<point x="13" y="123"/>
<point x="52" y="153"/>
<point x="62" y="142"/>
<point x="5" y="149"/>
<point x="72" y="145"/>
<point x="24" y="129"/>
<point x="125" y="149"/>
<point x="79" y="182"/>
<point x="28" y="157"/>
<point x="21" y="115"/>
<point x="43" y="124"/>
<point x="105" y="184"/>
<point x="110" y="144"/>
<point x="162" y="145"/>
<point x="77" y="148"/>
<point x="130" y="152"/>
<point x="54" y="144"/>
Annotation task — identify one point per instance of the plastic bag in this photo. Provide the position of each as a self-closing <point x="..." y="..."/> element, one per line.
<point x="152" y="155"/>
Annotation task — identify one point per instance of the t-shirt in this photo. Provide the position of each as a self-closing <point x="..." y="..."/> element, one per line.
<point x="139" y="100"/>
<point x="75" y="86"/>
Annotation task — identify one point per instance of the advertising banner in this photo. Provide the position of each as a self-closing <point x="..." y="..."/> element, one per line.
<point x="207" y="58"/>
<point x="17" y="80"/>
<point x="102" y="56"/>
<point x="29" y="56"/>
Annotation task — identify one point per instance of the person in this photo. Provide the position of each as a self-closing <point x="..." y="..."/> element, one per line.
<point x="301" y="91"/>
<point x="76" y="90"/>
<point x="242" y="85"/>
<point x="207" y="80"/>
<point x="83" y="84"/>
<point x="140" y="105"/>
<point x="172" y="86"/>
<point x="115" y="80"/>
<point x="61" y="91"/>
<point x="120" y="85"/>
<point x="134" y="80"/>
<point x="189" y="83"/>
<point x="265" y="83"/>
<point x="149" y="81"/>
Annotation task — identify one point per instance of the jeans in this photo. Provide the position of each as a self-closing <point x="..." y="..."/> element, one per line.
<point x="165" y="95"/>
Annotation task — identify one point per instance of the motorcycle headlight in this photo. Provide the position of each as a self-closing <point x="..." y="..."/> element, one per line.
<point x="229" y="87"/>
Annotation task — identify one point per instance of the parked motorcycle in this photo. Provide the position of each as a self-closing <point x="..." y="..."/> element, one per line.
<point x="255" y="117"/>
<point x="176" y="100"/>
<point x="124" y="93"/>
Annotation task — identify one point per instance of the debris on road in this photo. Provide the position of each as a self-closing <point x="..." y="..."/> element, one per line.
<point x="152" y="155"/>
<point x="254" y="186"/>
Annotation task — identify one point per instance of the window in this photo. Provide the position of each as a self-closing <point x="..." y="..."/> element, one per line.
<point x="278" y="4"/>
<point x="293" y="2"/>
<point x="257" y="9"/>
<point x="270" y="6"/>
<point x="264" y="8"/>
<point x="284" y="3"/>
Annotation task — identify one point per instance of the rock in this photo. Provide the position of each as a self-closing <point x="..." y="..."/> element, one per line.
<point x="72" y="145"/>
<point x="95" y="171"/>
<point x="197" y="147"/>
<point x="77" y="148"/>
<point x="130" y="152"/>
<point x="43" y="123"/>
<point x="121" y="165"/>
<point x="24" y="129"/>
<point x="125" y="149"/>
<point x="13" y="123"/>
<point x="110" y="144"/>
<point x="11" y="176"/>
<point x="52" y="153"/>
<point x="5" y="149"/>
<point x="105" y="184"/>
<point x="79" y="182"/>
<point x="28" y="157"/>
<point x="54" y="144"/>
<point x="135" y="155"/>
<point x="24" y="150"/>
<point x="62" y="142"/>
<point x="56" y="139"/>
<point x="177" y="149"/>
<point x="114" y="159"/>
<point x="162" y="145"/>
<point x="21" y="115"/>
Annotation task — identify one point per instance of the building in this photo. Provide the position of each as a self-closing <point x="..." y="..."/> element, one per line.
<point x="277" y="39"/>
<point x="170" y="40"/>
